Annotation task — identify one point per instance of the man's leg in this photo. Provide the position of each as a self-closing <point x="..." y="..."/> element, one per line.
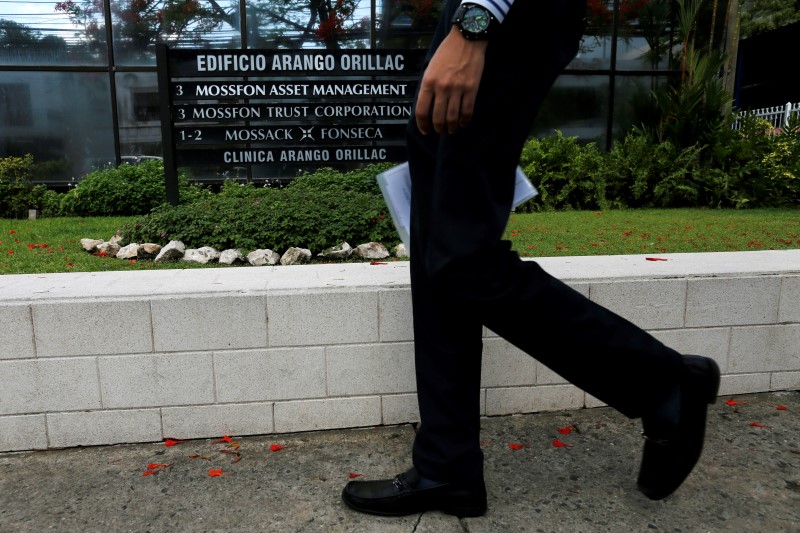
<point x="464" y="276"/>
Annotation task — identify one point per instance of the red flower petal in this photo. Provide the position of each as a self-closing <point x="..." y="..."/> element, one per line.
<point x="353" y="475"/>
<point x="655" y="259"/>
<point x="12" y="232"/>
<point x="558" y="444"/>
<point x="379" y="263"/>
<point x="565" y="430"/>
<point x="757" y="425"/>
<point x="781" y="408"/>
<point x="217" y="472"/>
<point x="172" y="442"/>
<point x="226" y="438"/>
<point x="733" y="402"/>
<point x="152" y="468"/>
<point x="515" y="446"/>
<point x="276" y="447"/>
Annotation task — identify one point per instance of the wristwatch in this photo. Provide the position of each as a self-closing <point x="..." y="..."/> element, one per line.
<point x="475" y="22"/>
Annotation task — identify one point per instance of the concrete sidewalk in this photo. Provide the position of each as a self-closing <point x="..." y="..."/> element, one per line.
<point x="748" y="479"/>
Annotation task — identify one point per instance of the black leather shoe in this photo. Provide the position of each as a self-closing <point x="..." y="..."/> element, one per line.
<point x="409" y="493"/>
<point x="668" y="461"/>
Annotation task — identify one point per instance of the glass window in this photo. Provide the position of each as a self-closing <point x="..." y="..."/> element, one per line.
<point x="577" y="106"/>
<point x="15" y="105"/>
<point x="407" y="24"/>
<point x="62" y="118"/>
<point x="137" y="25"/>
<point x="644" y="34"/>
<point x="52" y="33"/>
<point x="633" y="101"/>
<point x="595" y="51"/>
<point x="138" y="112"/>
<point x="301" y="24"/>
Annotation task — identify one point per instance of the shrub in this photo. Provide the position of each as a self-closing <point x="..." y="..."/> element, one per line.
<point x="565" y="173"/>
<point x="359" y="180"/>
<point x="315" y="212"/>
<point x="125" y="190"/>
<point x="640" y="173"/>
<point x="751" y="167"/>
<point x="15" y="186"/>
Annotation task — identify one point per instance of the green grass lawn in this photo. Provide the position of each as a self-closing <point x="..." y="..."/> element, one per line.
<point x="653" y="231"/>
<point x="53" y="245"/>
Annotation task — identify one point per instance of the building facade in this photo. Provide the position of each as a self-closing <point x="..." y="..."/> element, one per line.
<point x="78" y="78"/>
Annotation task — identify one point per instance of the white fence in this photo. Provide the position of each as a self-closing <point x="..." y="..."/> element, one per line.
<point x="778" y="116"/>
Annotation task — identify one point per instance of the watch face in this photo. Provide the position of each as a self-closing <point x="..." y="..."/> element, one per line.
<point x="475" y="20"/>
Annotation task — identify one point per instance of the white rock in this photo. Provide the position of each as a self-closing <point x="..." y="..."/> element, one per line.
<point x="149" y="250"/>
<point x="130" y="251"/>
<point x="371" y="250"/>
<point x="203" y="255"/>
<point x="174" y="250"/>
<point x="230" y="257"/>
<point x="342" y="251"/>
<point x="116" y="239"/>
<point x="90" y="245"/>
<point x="110" y="249"/>
<point x="263" y="257"/>
<point x="400" y="250"/>
<point x="296" y="256"/>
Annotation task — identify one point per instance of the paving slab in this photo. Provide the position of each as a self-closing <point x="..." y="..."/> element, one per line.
<point x="747" y="480"/>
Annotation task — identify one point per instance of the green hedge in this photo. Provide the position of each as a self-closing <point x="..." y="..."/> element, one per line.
<point x="125" y="190"/>
<point x="738" y="168"/>
<point x="315" y="211"/>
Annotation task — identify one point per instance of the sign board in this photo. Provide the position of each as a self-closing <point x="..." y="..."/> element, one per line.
<point x="287" y="109"/>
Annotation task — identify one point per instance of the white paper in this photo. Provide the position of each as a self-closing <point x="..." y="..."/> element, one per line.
<point x="395" y="184"/>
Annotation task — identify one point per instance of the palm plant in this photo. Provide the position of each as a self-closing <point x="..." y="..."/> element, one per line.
<point x="689" y="111"/>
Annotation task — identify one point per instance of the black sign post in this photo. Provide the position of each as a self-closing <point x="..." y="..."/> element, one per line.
<point x="288" y="108"/>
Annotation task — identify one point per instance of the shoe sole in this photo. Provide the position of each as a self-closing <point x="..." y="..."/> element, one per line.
<point x="463" y="511"/>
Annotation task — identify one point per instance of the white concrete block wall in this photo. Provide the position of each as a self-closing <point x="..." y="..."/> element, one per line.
<point x="103" y="358"/>
<point x="650" y="304"/>
<point x="73" y="328"/>
<point x="196" y="422"/>
<point x="272" y="374"/>
<point x="16" y="333"/>
<point x="209" y="323"/>
<point x="155" y="380"/>
<point x="732" y="301"/>
<point x="789" y="309"/>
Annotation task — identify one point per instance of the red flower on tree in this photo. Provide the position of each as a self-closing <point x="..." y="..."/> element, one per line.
<point x="331" y="25"/>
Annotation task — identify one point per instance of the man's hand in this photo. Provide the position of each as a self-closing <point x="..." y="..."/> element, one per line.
<point x="450" y="84"/>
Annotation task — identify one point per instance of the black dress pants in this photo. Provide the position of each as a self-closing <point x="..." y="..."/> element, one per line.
<point x="463" y="276"/>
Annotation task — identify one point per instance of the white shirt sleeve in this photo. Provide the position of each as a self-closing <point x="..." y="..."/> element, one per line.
<point x="499" y="8"/>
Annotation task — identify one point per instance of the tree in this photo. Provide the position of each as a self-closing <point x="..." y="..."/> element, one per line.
<point x="19" y="39"/>
<point x="758" y="16"/>
<point x="141" y="23"/>
<point x="294" y="23"/>
<point x="271" y="23"/>
<point x="692" y="108"/>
